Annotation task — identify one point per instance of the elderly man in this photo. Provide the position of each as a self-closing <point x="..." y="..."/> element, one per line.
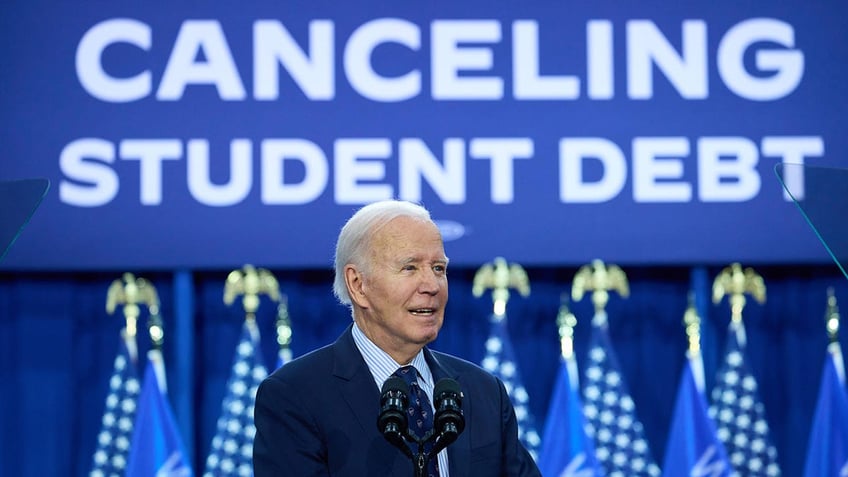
<point x="317" y="415"/>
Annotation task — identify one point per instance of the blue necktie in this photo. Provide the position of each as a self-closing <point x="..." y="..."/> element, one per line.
<point x="420" y="415"/>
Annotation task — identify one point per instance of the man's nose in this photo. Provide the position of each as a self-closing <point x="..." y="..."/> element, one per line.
<point x="430" y="283"/>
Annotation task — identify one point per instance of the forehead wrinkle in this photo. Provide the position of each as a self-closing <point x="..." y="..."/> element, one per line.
<point x="390" y="247"/>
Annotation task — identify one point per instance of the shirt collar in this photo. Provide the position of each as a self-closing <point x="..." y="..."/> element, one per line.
<point x="382" y="365"/>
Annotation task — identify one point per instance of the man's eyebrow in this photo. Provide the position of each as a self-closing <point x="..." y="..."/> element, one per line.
<point x="409" y="260"/>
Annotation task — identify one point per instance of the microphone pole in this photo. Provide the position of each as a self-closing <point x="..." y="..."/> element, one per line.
<point x="421" y="459"/>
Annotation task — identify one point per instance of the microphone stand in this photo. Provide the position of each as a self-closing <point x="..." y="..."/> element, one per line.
<point x="421" y="458"/>
<point x="392" y="422"/>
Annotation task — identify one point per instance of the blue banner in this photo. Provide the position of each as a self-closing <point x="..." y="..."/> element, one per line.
<point x="213" y="134"/>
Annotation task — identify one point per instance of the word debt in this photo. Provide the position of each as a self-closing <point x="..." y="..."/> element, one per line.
<point x="298" y="171"/>
<point x="447" y="60"/>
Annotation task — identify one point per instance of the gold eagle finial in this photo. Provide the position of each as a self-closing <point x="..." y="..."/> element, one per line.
<point x="500" y="277"/>
<point x="131" y="292"/>
<point x="735" y="282"/>
<point x="250" y="282"/>
<point x="601" y="279"/>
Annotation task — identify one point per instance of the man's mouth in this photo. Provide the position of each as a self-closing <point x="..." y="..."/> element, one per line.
<point x="422" y="311"/>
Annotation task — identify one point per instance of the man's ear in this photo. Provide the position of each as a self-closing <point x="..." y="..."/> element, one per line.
<point x="355" y="286"/>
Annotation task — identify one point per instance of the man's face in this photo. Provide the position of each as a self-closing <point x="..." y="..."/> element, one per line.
<point x="403" y="294"/>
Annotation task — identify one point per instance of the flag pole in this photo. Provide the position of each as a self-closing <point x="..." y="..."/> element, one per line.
<point x="692" y="324"/>
<point x="566" y="321"/>
<point x="831" y="317"/>
<point x="832" y="326"/>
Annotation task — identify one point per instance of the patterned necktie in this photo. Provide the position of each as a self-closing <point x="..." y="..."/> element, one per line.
<point x="420" y="415"/>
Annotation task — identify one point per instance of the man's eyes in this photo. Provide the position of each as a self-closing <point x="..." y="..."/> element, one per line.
<point x="436" y="268"/>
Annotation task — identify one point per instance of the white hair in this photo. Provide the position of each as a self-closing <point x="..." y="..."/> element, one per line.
<point x="354" y="238"/>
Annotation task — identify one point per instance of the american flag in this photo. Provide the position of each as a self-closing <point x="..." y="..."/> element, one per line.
<point x="740" y="415"/>
<point x="620" y="443"/>
<point x="113" y="441"/>
<point x="232" y="446"/>
<point x="500" y="361"/>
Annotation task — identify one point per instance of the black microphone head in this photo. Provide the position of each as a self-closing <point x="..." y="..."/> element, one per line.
<point x="392" y="421"/>
<point x="448" y="385"/>
<point x="394" y="383"/>
<point x="448" y="421"/>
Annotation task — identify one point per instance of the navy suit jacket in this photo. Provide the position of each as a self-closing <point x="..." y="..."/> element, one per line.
<point x="317" y="416"/>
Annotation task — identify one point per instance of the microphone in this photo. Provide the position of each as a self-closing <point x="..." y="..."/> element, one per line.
<point x="392" y="421"/>
<point x="448" y="421"/>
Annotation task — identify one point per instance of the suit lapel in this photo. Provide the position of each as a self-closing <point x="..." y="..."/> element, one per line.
<point x="355" y="381"/>
<point x="362" y="396"/>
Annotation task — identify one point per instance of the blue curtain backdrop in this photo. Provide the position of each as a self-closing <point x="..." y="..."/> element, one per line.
<point x="57" y="345"/>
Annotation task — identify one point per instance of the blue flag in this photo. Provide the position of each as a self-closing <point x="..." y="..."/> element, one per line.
<point x="827" y="451"/>
<point x="157" y="450"/>
<point x="739" y="414"/>
<point x="693" y="447"/>
<point x="500" y="361"/>
<point x="232" y="446"/>
<point x="620" y="444"/>
<point x="113" y="441"/>
<point x="567" y="451"/>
